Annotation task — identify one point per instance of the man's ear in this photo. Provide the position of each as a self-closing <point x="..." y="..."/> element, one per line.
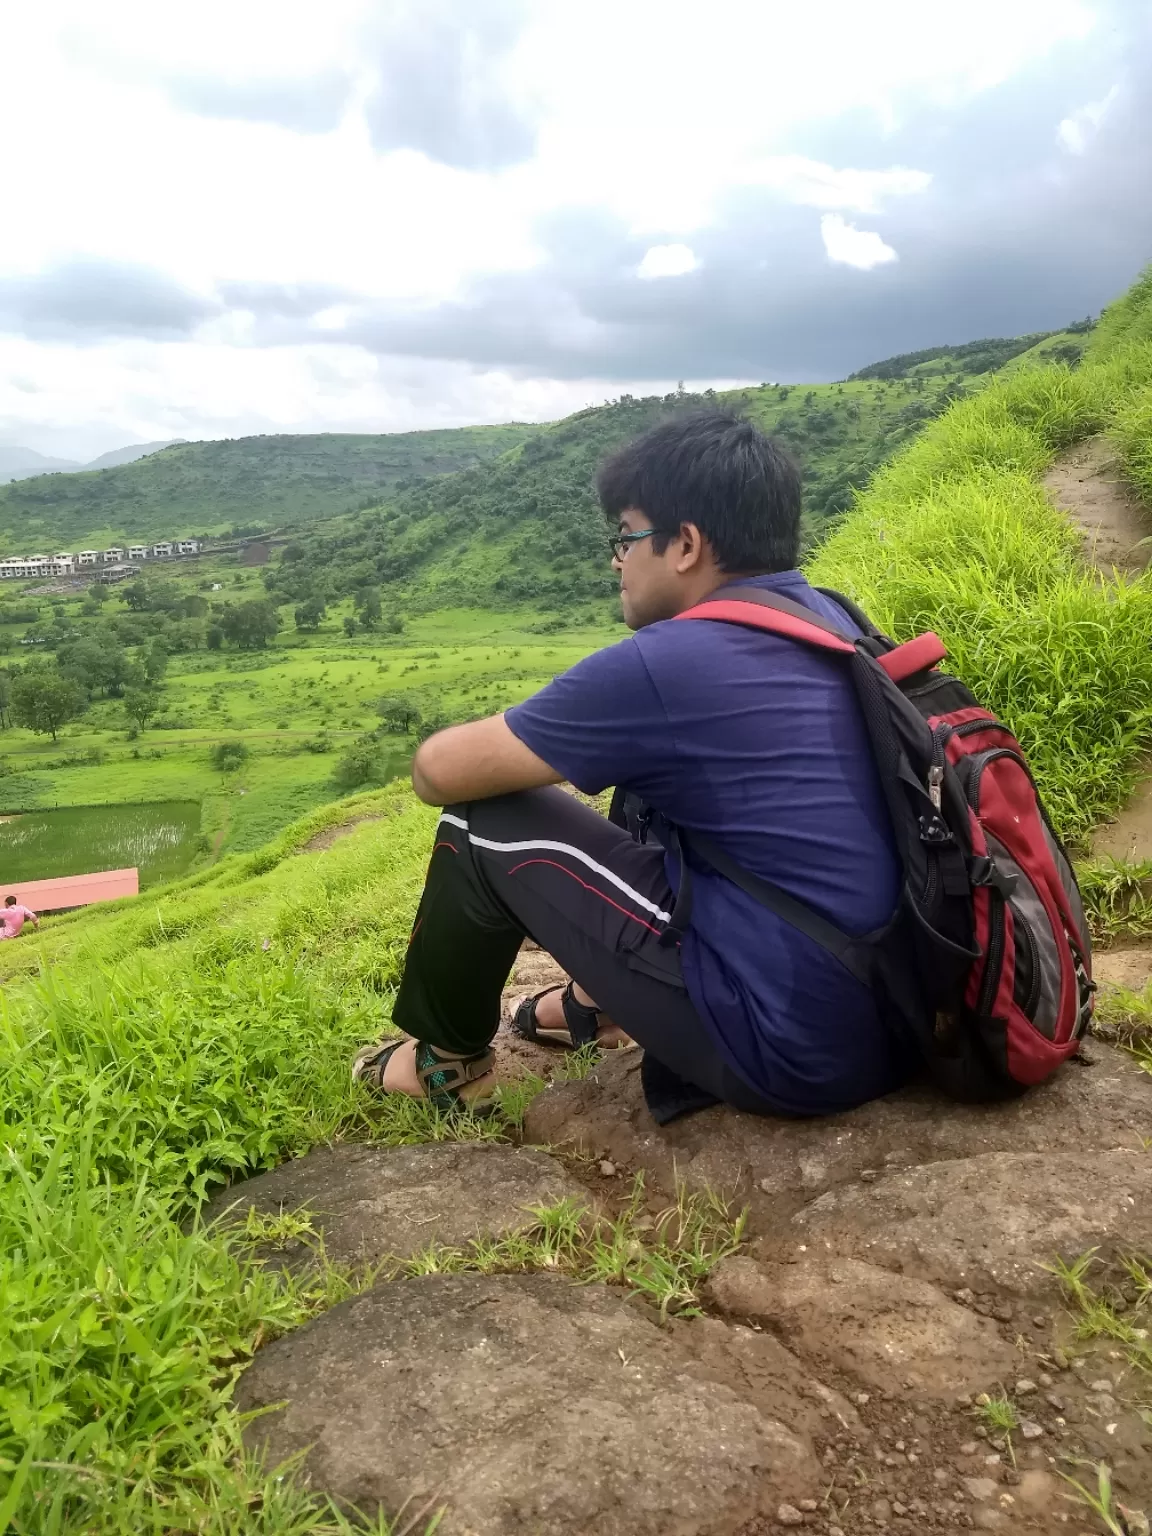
<point x="690" y="548"/>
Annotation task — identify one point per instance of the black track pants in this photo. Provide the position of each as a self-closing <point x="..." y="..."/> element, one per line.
<point x="542" y="864"/>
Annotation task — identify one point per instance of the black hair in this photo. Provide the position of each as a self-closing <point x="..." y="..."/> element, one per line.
<point x="9" y="901"/>
<point x="717" y="470"/>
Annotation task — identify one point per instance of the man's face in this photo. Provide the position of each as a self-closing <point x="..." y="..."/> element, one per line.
<point x="650" y="586"/>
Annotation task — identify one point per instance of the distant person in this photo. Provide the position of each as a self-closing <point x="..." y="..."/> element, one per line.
<point x="14" y="916"/>
<point x="726" y="733"/>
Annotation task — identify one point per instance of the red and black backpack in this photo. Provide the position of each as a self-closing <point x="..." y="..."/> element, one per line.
<point x="986" y="964"/>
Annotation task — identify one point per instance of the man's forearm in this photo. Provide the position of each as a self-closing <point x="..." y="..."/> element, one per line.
<point x="476" y="761"/>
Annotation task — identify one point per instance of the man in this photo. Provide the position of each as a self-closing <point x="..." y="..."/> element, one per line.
<point x="13" y="918"/>
<point x="746" y="738"/>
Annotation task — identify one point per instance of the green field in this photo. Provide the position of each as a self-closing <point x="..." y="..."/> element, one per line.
<point x="155" y="1050"/>
<point x="159" y="839"/>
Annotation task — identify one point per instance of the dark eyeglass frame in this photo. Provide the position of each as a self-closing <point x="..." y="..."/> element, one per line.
<point x="619" y="543"/>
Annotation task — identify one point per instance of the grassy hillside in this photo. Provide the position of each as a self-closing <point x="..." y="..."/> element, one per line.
<point x="957" y="535"/>
<point x="527" y="525"/>
<point x="154" y="1049"/>
<point x="248" y="482"/>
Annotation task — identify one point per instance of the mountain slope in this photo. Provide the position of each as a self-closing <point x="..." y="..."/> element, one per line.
<point x="527" y="526"/>
<point x="251" y="482"/>
<point x="117" y="456"/>
<point x="21" y="463"/>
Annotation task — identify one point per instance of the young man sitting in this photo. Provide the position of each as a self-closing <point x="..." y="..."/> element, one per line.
<point x="742" y="737"/>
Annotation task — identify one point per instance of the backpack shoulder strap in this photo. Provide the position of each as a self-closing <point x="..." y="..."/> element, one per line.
<point x="757" y="609"/>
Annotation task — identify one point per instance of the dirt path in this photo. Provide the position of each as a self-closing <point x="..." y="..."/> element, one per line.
<point x="1086" y="483"/>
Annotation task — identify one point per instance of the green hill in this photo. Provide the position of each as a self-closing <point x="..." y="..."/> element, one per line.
<point x="244" y="482"/>
<point x="158" y="1048"/>
<point x="526" y="525"/>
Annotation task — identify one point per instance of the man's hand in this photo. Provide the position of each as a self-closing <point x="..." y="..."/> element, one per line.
<point x="476" y="761"/>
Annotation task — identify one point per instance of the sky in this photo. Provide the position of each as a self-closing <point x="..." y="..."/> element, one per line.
<point x="378" y="215"/>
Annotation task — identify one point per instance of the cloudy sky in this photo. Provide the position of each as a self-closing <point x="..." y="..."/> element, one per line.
<point x="372" y="215"/>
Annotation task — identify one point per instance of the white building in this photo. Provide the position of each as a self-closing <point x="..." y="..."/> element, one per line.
<point x="63" y="564"/>
<point x="113" y="556"/>
<point x="137" y="551"/>
<point x="88" y="556"/>
<point x="188" y="547"/>
<point x="161" y="550"/>
<point x="23" y="567"/>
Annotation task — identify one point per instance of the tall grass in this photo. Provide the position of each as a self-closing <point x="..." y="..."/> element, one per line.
<point x="957" y="535"/>
<point x="179" y="1051"/>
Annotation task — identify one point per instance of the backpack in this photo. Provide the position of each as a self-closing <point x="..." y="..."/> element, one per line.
<point x="985" y="966"/>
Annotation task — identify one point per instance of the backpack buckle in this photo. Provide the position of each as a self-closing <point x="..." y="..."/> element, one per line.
<point x="935" y="832"/>
<point x="983" y="871"/>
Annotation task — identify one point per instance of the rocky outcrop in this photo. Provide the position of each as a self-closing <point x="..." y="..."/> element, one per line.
<point x="367" y="1202"/>
<point x="517" y="1403"/>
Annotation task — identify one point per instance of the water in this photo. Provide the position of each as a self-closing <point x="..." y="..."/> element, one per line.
<point x="161" y="840"/>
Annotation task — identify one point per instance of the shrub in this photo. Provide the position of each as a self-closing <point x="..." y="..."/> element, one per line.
<point x="228" y="756"/>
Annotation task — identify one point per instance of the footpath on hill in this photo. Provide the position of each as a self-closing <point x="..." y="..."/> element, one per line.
<point x="1086" y="483"/>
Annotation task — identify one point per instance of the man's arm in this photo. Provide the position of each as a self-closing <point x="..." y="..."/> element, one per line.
<point x="476" y="761"/>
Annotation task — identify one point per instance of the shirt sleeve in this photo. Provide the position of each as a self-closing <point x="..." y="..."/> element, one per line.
<point x="601" y="723"/>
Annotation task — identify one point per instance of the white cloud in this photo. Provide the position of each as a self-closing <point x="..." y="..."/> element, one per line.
<point x="653" y="112"/>
<point x="854" y="247"/>
<point x="667" y="261"/>
<point x="1077" y="131"/>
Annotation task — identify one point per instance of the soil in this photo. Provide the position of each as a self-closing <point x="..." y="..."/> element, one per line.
<point x="332" y="835"/>
<point x="893" y="1270"/>
<point x="1086" y="483"/>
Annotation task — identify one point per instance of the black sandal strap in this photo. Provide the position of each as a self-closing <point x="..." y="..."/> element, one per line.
<point x="582" y="1019"/>
<point x="442" y="1076"/>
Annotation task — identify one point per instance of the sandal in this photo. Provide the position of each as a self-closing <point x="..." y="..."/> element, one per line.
<point x="581" y="1021"/>
<point x="441" y="1073"/>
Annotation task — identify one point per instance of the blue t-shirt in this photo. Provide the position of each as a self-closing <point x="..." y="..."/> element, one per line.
<point x="759" y="743"/>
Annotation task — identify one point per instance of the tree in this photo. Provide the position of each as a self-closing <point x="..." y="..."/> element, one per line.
<point x="214" y="637"/>
<point x="363" y="763"/>
<point x="310" y="612"/>
<point x="98" y="593"/>
<point x="140" y="704"/>
<point x="368" y="606"/>
<point x="5" y="698"/>
<point x="43" y="701"/>
<point x="250" y="625"/>
<point x="350" y="625"/>
<point x="155" y="663"/>
<point x="398" y="714"/>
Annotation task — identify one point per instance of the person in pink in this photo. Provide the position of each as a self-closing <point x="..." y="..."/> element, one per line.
<point x="13" y="917"/>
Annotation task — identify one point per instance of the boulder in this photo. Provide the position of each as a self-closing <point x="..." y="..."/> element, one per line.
<point x="779" y="1165"/>
<point x="985" y="1223"/>
<point x="880" y="1327"/>
<point x="516" y="1403"/>
<point x="369" y="1201"/>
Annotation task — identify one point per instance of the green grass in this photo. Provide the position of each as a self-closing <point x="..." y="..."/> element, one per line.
<point x="957" y="535"/>
<point x="160" y="840"/>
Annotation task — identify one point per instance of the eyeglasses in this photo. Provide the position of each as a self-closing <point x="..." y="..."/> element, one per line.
<point x="619" y="542"/>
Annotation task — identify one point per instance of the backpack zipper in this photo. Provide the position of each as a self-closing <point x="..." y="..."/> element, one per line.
<point x="990" y="984"/>
<point x="1024" y="931"/>
<point x="969" y="726"/>
<point x="977" y="765"/>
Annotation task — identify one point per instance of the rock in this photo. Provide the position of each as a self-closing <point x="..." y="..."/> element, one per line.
<point x="980" y="1488"/>
<point x="779" y="1164"/>
<point x="1024" y="1386"/>
<point x="1030" y="1429"/>
<point x="373" y="1201"/>
<point x="788" y="1514"/>
<point x="989" y="1221"/>
<point x="1103" y="1385"/>
<point x="518" y="1403"/>
<point x="868" y="1321"/>
<point x="607" y="1169"/>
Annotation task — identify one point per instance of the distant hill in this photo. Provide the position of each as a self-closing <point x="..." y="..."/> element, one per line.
<point x="977" y="357"/>
<point x="21" y="463"/>
<point x="526" y="526"/>
<point x="118" y="456"/>
<point x="244" y="482"/>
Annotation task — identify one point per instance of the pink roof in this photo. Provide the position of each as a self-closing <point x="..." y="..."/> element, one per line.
<point x="73" y="890"/>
